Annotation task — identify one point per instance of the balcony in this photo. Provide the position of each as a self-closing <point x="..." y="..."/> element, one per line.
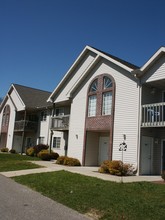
<point x="25" y="125"/>
<point x="60" y="123"/>
<point x="153" y="115"/>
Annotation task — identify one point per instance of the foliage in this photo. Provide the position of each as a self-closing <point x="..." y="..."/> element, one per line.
<point x="12" y="151"/>
<point x="54" y="155"/>
<point x="30" y="151"/>
<point x="163" y="175"/>
<point x="116" y="167"/>
<point x="109" y="200"/>
<point x="39" y="147"/>
<point x="4" y="149"/>
<point x="46" y="156"/>
<point x="69" y="161"/>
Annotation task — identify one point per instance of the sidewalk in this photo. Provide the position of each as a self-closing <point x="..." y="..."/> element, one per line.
<point x="50" y="166"/>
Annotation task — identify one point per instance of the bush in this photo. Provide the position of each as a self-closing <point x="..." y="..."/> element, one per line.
<point x="163" y="175"/>
<point x="45" y="156"/>
<point x="54" y="155"/>
<point x="4" y="149"/>
<point x="12" y="151"/>
<point x="30" y="151"/>
<point x="39" y="147"/>
<point x="116" y="167"/>
<point x="68" y="161"/>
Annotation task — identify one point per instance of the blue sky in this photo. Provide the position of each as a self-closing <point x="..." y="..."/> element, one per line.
<point x="40" y="39"/>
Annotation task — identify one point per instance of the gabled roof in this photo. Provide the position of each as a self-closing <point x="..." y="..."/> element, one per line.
<point x="99" y="54"/>
<point x="156" y="56"/>
<point x="130" y="65"/>
<point x="31" y="97"/>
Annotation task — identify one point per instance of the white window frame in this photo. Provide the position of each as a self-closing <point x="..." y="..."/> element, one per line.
<point x="92" y="104"/>
<point x="41" y="140"/>
<point x="107" y="103"/>
<point x="43" y="115"/>
<point x="56" y="142"/>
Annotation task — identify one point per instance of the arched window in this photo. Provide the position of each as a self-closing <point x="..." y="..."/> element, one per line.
<point x="100" y="96"/>
<point x="6" y="116"/>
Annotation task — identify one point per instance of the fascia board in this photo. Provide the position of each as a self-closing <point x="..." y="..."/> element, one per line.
<point x="82" y="54"/>
<point x="96" y="59"/>
<point x="111" y="59"/>
<point x="19" y="96"/>
<point x="153" y="59"/>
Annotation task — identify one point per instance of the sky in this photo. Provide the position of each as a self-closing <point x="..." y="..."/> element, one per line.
<point x="40" y="39"/>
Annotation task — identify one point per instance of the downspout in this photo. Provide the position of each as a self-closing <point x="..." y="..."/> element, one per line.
<point x="51" y="130"/>
<point x="139" y="129"/>
<point x="23" y="133"/>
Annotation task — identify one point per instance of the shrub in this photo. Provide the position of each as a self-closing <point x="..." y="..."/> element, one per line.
<point x="39" y="147"/>
<point x="116" y="167"/>
<point x="12" y="151"/>
<point x="163" y="175"/>
<point x="42" y="152"/>
<point x="68" y="161"/>
<point x="4" y="149"/>
<point x="30" y="151"/>
<point x="54" y="155"/>
<point x="46" y="156"/>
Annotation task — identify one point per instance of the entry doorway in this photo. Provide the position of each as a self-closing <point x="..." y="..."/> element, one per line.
<point x="103" y="149"/>
<point x="146" y="155"/>
<point x="163" y="155"/>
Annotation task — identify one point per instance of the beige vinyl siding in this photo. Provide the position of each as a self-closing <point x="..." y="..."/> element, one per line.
<point x="156" y="72"/>
<point x="74" y="76"/>
<point x="126" y="112"/>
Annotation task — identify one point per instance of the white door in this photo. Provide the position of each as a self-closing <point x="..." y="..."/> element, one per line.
<point x="17" y="143"/>
<point x="163" y="156"/>
<point x="146" y="155"/>
<point x="103" y="149"/>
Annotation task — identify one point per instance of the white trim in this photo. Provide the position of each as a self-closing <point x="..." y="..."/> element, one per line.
<point x="153" y="59"/>
<point x="83" y="53"/>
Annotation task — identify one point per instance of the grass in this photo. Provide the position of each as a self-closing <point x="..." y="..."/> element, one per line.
<point x="100" y="199"/>
<point x="12" y="162"/>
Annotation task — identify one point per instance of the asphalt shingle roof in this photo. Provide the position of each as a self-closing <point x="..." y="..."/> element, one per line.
<point x="33" y="98"/>
<point x="132" y="66"/>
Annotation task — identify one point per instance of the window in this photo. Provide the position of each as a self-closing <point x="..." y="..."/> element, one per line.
<point x="56" y="142"/>
<point x="94" y="86"/>
<point x="43" y="116"/>
<point x="92" y="106"/>
<point x="6" y="116"/>
<point x="107" y="103"/>
<point x="100" y="96"/>
<point x="41" y="140"/>
<point x="107" y="82"/>
<point x="59" y="111"/>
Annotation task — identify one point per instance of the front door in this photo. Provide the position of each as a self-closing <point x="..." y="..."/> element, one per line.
<point x="103" y="149"/>
<point x="163" y="155"/>
<point x="146" y="155"/>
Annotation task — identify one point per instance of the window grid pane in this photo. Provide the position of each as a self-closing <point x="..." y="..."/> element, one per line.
<point x="107" y="103"/>
<point x="56" y="142"/>
<point x="94" y="86"/>
<point x="92" y="106"/>
<point x="107" y="82"/>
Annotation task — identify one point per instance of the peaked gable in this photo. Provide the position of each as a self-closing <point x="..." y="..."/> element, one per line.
<point x="96" y="55"/>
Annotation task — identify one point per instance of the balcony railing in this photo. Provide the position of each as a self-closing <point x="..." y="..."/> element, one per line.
<point x="25" y="125"/>
<point x="60" y="122"/>
<point x="153" y="115"/>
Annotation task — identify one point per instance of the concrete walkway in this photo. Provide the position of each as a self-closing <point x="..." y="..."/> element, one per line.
<point x="50" y="166"/>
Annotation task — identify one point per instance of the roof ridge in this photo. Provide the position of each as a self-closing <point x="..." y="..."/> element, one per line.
<point x="28" y="87"/>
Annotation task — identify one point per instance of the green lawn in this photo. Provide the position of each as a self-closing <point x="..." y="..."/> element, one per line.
<point x="11" y="162"/>
<point x="103" y="199"/>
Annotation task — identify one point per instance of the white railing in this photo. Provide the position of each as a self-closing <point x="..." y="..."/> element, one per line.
<point x="60" y="122"/>
<point x="153" y="115"/>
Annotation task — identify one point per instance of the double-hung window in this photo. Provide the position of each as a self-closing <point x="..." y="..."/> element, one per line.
<point x="56" y="142"/>
<point x="92" y="105"/>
